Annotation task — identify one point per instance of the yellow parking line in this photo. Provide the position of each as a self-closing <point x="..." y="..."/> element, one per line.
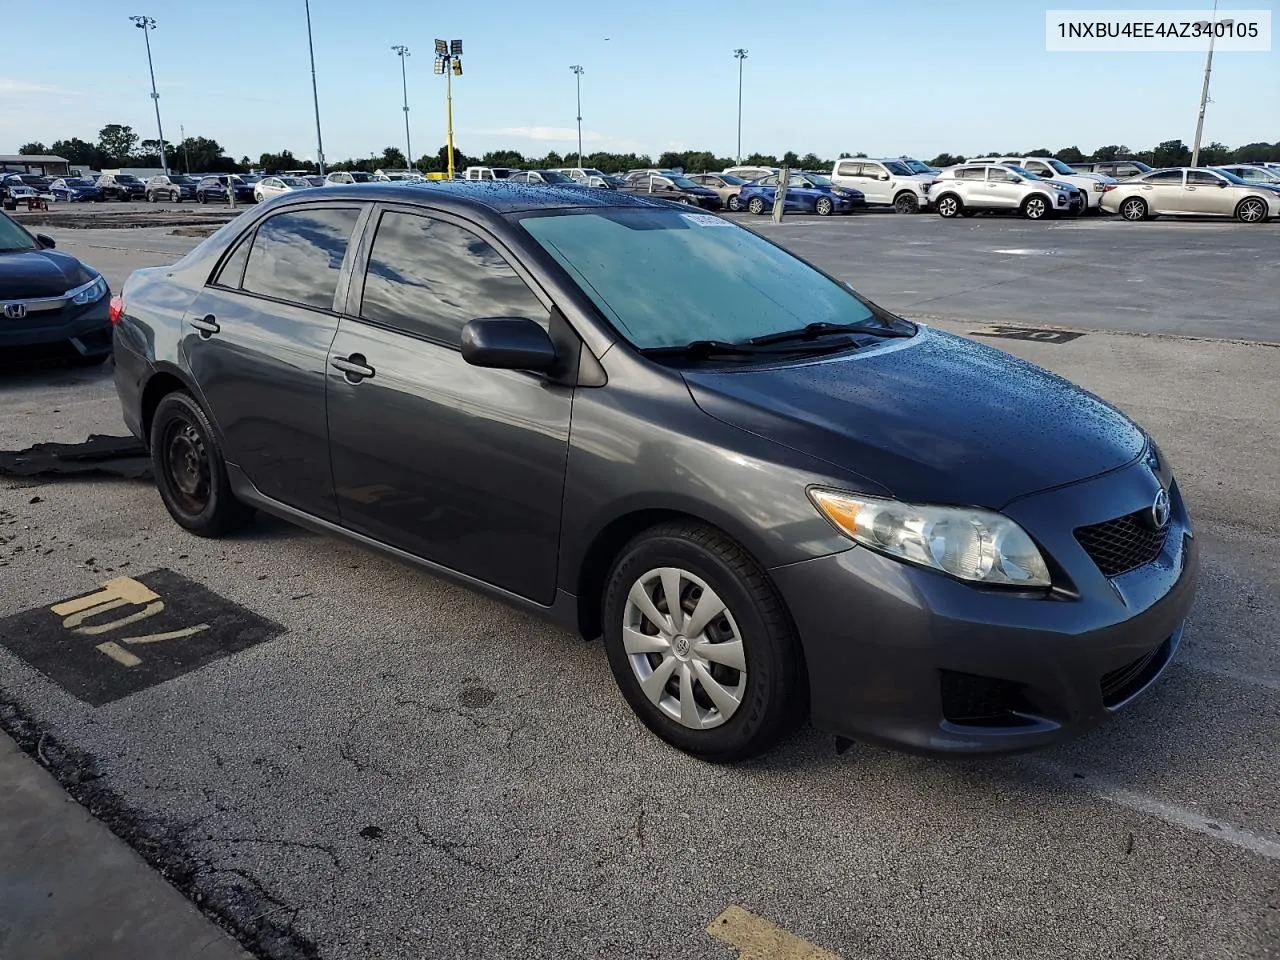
<point x="757" y="939"/>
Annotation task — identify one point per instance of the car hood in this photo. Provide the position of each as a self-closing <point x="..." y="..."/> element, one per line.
<point x="933" y="419"/>
<point x="32" y="274"/>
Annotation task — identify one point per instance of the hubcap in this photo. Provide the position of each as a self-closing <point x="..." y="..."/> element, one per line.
<point x="1133" y="210"/>
<point x="948" y="207"/>
<point x="1035" y="208"/>
<point x="1251" y="211"/>
<point x="684" y="647"/>
<point x="187" y="460"/>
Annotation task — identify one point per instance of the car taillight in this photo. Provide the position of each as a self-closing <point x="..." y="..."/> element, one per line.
<point x="115" y="308"/>
<point x="1109" y="186"/>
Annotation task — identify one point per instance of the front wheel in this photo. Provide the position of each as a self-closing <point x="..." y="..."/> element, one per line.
<point x="906" y="203"/>
<point x="824" y="207"/>
<point x="700" y="643"/>
<point x="735" y="203"/>
<point x="190" y="472"/>
<point x="949" y="206"/>
<point x="1251" y="210"/>
<point x="756" y="205"/>
<point x="1035" y="207"/>
<point x="687" y="201"/>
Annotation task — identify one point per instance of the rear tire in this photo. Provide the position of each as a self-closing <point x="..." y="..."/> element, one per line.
<point x="733" y="687"/>
<point x="756" y="205"/>
<point x="949" y="205"/>
<point x="906" y="203"/>
<point x="1134" y="209"/>
<point x="190" y="471"/>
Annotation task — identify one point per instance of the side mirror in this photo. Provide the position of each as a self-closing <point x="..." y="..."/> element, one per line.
<point x="882" y="176"/>
<point x="45" y="241"/>
<point x="507" y="343"/>
<point x="1223" y="183"/>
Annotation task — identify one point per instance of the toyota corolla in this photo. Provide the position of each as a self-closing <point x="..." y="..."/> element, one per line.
<point x="771" y="497"/>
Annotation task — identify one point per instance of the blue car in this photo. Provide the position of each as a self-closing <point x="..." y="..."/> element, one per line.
<point x="806" y="193"/>
<point x="72" y="189"/>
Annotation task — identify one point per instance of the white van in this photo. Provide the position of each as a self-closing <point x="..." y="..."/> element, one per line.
<point x="488" y="173"/>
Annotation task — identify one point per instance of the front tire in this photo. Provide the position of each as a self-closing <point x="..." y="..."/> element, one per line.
<point x="1251" y="210"/>
<point x="949" y="206"/>
<point x="756" y="205"/>
<point x="823" y="207"/>
<point x="906" y="203"/>
<point x="735" y="203"/>
<point x="1134" y="209"/>
<point x="190" y="471"/>
<point x="1035" y="207"/>
<point x="700" y="644"/>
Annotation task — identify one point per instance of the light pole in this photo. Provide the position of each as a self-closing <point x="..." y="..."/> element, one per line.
<point x="449" y="62"/>
<point x="577" y="73"/>
<point x="403" y="51"/>
<point x="182" y="132"/>
<point x="1204" y="90"/>
<point x="146" y="24"/>
<point x="315" y="96"/>
<point x="740" y="55"/>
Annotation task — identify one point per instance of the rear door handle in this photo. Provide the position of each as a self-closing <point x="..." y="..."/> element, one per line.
<point x="207" y="325"/>
<point x="353" y="366"/>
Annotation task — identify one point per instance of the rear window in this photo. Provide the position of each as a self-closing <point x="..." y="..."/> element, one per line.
<point x="297" y="256"/>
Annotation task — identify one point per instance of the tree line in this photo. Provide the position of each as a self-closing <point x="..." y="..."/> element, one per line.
<point x="119" y="146"/>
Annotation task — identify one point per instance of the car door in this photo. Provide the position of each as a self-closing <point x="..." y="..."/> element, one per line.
<point x="459" y="465"/>
<point x="1004" y="189"/>
<point x="1204" y="192"/>
<point x="256" y="341"/>
<point x="1163" y="191"/>
<point x="873" y="181"/>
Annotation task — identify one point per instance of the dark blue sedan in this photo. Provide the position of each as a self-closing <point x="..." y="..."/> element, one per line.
<point x="72" y="189"/>
<point x="806" y="193"/>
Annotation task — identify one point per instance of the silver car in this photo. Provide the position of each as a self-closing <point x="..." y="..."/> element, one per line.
<point x="1191" y="191"/>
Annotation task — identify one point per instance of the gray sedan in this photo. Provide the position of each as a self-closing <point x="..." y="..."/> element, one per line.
<point x="771" y="497"/>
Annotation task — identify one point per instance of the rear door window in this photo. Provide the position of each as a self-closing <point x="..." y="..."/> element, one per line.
<point x="297" y="256"/>
<point x="1165" y="177"/>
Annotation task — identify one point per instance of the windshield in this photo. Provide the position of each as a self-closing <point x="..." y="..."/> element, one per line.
<point x="897" y="169"/>
<point x="683" y="182"/>
<point x="297" y="182"/>
<point x="917" y="166"/>
<point x="665" y="278"/>
<point x="126" y="178"/>
<point x="360" y="177"/>
<point x="13" y="237"/>
<point x="1020" y="171"/>
<point x="1258" y="175"/>
<point x="182" y="181"/>
<point x="731" y="180"/>
<point x="550" y="176"/>
<point x="78" y="183"/>
<point x="1233" y="178"/>
<point x="818" y="179"/>
<point x="1060" y="166"/>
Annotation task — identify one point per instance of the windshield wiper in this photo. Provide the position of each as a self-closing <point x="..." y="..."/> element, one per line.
<point x="812" y="331"/>
<point x="712" y="349"/>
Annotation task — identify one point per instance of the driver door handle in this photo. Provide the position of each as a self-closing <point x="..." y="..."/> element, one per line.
<point x="353" y="366"/>
<point x="207" y="325"/>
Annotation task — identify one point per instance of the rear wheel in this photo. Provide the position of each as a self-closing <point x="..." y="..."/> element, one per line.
<point x="1035" y="207"/>
<point x="756" y="205"/>
<point x="1251" y="210"/>
<point x="190" y="472"/>
<point x="949" y="206"/>
<point x="824" y="207"/>
<point x="700" y="644"/>
<point x="1134" y="209"/>
<point x="906" y="203"/>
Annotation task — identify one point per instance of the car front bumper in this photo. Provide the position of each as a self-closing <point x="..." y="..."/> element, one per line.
<point x="914" y="659"/>
<point x="68" y="332"/>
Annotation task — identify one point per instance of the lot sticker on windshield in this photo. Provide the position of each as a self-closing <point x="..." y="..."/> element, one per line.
<point x="705" y="220"/>
<point x="132" y="633"/>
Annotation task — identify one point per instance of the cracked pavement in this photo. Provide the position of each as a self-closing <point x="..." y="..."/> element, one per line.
<point x="413" y="770"/>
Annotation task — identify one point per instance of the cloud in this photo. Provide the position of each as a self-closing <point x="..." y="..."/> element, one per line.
<point x="15" y="88"/>
<point x="547" y="133"/>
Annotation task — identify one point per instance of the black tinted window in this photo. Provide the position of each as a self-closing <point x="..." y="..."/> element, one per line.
<point x="233" y="267"/>
<point x="297" y="256"/>
<point x="1165" y="176"/>
<point x="970" y="173"/>
<point x="428" y="278"/>
<point x="1203" y="177"/>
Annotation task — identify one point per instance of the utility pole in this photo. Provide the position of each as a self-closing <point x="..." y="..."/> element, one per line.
<point x="403" y="51"/>
<point x="741" y="55"/>
<point x="186" y="153"/>
<point x="147" y="24"/>
<point x="1204" y="89"/>
<point x="578" y="71"/>
<point x="315" y="96"/>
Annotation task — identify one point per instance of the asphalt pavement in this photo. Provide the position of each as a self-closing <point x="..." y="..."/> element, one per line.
<point x="406" y="769"/>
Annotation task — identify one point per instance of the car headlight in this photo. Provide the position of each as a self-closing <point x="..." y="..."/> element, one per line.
<point x="967" y="543"/>
<point x="90" y="292"/>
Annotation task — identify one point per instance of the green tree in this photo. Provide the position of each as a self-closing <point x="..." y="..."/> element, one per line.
<point x="1038" y="152"/>
<point x="1171" y="153"/>
<point x="945" y="160"/>
<point x="1215" y="154"/>
<point x="811" y="161"/>
<point x="1112" y="152"/>
<point x="34" y="149"/>
<point x="117" y="142"/>
<point x="791" y="160"/>
<point x="503" y="158"/>
<point x="392" y="159"/>
<point x="204" y="156"/>
<point x="761" y="160"/>
<point x="149" y="153"/>
<point x="1070" y="155"/>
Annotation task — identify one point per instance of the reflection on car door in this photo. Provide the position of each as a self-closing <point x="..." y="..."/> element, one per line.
<point x="874" y="182"/>
<point x="459" y="465"/>
<point x="1163" y="192"/>
<point x="1203" y="193"/>
<point x="1004" y="189"/>
<point x="256" y="339"/>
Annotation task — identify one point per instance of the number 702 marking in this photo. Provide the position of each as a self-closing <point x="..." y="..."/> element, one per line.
<point x="121" y="592"/>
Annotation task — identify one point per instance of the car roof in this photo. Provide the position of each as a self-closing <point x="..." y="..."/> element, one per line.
<point x="495" y="196"/>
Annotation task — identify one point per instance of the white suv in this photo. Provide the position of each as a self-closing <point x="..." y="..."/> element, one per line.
<point x="885" y="183"/>
<point x="1050" y="168"/>
<point x="962" y="190"/>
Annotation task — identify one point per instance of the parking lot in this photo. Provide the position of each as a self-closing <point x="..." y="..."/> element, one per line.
<point x="379" y="764"/>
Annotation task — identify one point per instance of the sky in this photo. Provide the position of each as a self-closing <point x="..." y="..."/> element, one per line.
<point x="882" y="77"/>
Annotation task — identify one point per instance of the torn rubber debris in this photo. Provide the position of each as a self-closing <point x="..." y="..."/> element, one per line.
<point x="115" y="456"/>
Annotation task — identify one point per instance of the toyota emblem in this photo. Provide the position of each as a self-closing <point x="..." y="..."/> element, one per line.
<point x="15" y="311"/>
<point x="1160" y="510"/>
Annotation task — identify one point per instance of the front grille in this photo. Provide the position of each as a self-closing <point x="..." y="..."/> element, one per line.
<point x="1123" y="682"/>
<point x="1123" y="544"/>
<point x="972" y="700"/>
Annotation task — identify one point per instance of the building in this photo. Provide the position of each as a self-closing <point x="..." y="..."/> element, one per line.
<point x="39" y="165"/>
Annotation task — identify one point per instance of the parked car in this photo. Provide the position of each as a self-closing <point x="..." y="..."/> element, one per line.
<point x="1192" y="191"/>
<point x="36" y="182"/>
<point x="121" y="186"/>
<point x="671" y="187"/>
<point x="580" y="174"/>
<point x="51" y="304"/>
<point x="174" y="188"/>
<point x="1262" y="176"/>
<point x="315" y="181"/>
<point x="968" y="188"/>
<point x="919" y="166"/>
<point x="1090" y="185"/>
<point x="73" y="189"/>
<point x="269" y="187"/>
<point x="487" y="173"/>
<point x="1119" y="169"/>
<point x="768" y="494"/>
<point x="805" y="194"/>
<point x="750" y="173"/>
<point x="342" y="177"/>
<point x="884" y="183"/>
<point x="546" y="178"/>
<point x="725" y="184"/>
<point x="214" y="189"/>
